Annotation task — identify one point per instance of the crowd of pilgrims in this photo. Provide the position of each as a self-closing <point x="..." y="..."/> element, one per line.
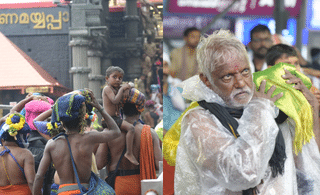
<point x="59" y="147"/>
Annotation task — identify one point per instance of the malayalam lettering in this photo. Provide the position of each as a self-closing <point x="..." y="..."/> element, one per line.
<point x="24" y="18"/>
<point x="39" y="19"/>
<point x="4" y="18"/>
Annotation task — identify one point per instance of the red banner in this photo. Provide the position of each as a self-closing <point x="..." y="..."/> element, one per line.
<point x="241" y="7"/>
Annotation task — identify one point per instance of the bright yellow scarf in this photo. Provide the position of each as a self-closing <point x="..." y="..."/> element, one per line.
<point x="171" y="139"/>
<point x="292" y="103"/>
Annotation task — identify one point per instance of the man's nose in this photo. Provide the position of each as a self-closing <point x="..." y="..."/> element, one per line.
<point x="239" y="81"/>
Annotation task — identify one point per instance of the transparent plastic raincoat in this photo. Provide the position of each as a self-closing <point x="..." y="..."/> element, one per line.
<point x="210" y="160"/>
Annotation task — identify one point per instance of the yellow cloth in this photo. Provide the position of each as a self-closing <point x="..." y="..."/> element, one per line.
<point x="159" y="130"/>
<point x="293" y="103"/>
<point x="94" y="165"/>
<point x="171" y="139"/>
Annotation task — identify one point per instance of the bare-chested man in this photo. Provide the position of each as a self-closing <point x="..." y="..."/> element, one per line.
<point x="82" y="144"/>
<point x="112" y="95"/>
<point x="129" y="175"/>
<point x="17" y="167"/>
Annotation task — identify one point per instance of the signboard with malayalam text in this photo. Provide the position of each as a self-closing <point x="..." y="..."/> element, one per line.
<point x="34" y="21"/>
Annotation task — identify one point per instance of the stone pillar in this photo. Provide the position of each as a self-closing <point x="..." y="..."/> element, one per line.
<point x="133" y="64"/>
<point x="79" y="68"/>
<point x="132" y="53"/>
<point x="95" y="77"/>
<point x="87" y="24"/>
<point x="131" y="19"/>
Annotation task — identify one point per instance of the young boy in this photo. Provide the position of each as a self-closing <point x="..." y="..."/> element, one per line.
<point x="287" y="54"/>
<point x="112" y="96"/>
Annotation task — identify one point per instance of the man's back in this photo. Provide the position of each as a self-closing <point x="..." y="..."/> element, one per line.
<point x="11" y="168"/>
<point x="82" y="155"/>
<point x="116" y="147"/>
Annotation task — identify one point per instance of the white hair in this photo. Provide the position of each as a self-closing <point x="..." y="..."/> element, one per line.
<point x="216" y="49"/>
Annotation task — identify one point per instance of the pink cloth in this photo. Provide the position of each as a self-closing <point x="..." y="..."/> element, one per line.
<point x="50" y="100"/>
<point x="33" y="109"/>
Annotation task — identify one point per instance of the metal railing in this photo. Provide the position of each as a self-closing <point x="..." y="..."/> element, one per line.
<point x="5" y="107"/>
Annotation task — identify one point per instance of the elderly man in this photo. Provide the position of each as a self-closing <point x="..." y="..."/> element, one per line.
<point x="230" y="142"/>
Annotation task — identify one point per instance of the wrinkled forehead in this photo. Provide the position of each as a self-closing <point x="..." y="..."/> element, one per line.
<point x="233" y="62"/>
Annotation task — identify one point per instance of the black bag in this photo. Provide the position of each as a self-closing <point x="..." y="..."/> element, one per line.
<point x="111" y="178"/>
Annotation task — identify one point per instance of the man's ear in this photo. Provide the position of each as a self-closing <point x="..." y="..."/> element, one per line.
<point x="205" y="80"/>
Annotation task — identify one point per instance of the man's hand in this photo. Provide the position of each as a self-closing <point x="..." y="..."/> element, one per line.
<point x="299" y="85"/>
<point x="262" y="94"/>
<point x="94" y="101"/>
<point x="317" y="94"/>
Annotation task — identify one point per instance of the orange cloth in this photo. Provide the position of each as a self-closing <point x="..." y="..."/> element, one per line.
<point x="127" y="185"/>
<point x="22" y="189"/>
<point x="168" y="182"/>
<point x="72" y="192"/>
<point x="147" y="165"/>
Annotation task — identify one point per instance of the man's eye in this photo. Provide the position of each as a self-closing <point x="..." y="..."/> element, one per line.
<point x="246" y="71"/>
<point x="227" y="77"/>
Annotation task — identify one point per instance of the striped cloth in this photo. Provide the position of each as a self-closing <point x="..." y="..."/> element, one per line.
<point x="137" y="98"/>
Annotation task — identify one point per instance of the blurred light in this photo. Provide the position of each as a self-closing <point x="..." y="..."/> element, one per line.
<point x="305" y="36"/>
<point x="239" y="30"/>
<point x="313" y="15"/>
<point x="245" y="25"/>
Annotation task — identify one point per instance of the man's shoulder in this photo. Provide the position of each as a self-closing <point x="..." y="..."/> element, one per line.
<point x="21" y="152"/>
<point x="52" y="143"/>
<point x="176" y="50"/>
<point x="198" y="113"/>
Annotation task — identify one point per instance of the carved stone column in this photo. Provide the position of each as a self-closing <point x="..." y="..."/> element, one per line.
<point x="131" y="19"/>
<point x="94" y="63"/>
<point x="132" y="53"/>
<point x="87" y="24"/>
<point x="133" y="63"/>
<point x="79" y="68"/>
